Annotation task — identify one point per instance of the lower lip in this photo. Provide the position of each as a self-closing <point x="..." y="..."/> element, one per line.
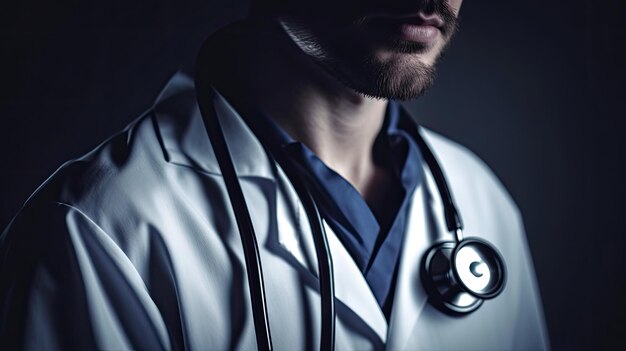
<point x="419" y="33"/>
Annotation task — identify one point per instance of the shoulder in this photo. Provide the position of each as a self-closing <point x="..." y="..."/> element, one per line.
<point x="109" y="175"/>
<point x="132" y="164"/>
<point x="120" y="180"/>
<point x="106" y="200"/>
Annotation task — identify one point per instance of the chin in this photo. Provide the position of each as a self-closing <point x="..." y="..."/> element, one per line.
<point x="404" y="86"/>
<point x="403" y="78"/>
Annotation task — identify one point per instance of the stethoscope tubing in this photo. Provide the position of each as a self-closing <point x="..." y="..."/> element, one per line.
<point x="204" y="92"/>
<point x="322" y="247"/>
<point x="252" y="256"/>
<point x="453" y="219"/>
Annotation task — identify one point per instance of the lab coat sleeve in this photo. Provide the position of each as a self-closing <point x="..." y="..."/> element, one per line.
<point x="65" y="286"/>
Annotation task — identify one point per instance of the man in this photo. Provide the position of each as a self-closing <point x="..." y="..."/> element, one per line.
<point x="135" y="245"/>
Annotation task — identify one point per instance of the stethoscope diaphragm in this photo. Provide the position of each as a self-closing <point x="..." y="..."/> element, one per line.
<point x="459" y="276"/>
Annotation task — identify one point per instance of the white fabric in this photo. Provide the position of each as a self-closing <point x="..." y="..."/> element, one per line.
<point x="149" y="207"/>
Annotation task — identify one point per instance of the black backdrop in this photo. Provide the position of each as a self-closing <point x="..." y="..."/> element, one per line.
<point x="534" y="88"/>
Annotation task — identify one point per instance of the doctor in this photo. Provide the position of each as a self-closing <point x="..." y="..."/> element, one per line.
<point x="136" y="245"/>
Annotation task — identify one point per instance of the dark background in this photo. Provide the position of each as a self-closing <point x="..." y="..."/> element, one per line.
<point x="535" y="88"/>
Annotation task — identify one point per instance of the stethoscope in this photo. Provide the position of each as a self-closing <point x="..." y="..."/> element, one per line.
<point x="457" y="275"/>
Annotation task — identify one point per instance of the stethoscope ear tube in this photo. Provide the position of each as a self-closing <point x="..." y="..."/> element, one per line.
<point x="238" y="202"/>
<point x="244" y="221"/>
<point x="320" y="240"/>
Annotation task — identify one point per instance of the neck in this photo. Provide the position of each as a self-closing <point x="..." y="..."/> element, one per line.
<point x="334" y="121"/>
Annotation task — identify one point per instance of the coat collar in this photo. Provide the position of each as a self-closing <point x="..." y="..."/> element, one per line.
<point x="184" y="139"/>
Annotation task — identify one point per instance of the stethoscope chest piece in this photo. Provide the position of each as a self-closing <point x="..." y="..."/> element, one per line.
<point x="460" y="276"/>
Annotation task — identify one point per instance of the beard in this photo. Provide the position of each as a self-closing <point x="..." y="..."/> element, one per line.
<point x="352" y="53"/>
<point x="402" y="79"/>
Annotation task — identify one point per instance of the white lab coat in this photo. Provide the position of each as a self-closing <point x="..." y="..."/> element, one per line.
<point x="135" y="246"/>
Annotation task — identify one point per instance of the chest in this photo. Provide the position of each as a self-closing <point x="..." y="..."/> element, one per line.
<point x="211" y="292"/>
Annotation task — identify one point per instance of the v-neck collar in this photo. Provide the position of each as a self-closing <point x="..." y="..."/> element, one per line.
<point x="375" y="252"/>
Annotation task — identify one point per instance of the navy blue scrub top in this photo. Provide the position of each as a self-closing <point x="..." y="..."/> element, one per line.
<point x="374" y="243"/>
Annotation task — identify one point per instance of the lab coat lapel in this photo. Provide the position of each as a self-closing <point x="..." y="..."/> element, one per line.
<point x="425" y="227"/>
<point x="351" y="288"/>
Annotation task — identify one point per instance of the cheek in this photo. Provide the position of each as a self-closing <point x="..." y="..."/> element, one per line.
<point x="455" y="5"/>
